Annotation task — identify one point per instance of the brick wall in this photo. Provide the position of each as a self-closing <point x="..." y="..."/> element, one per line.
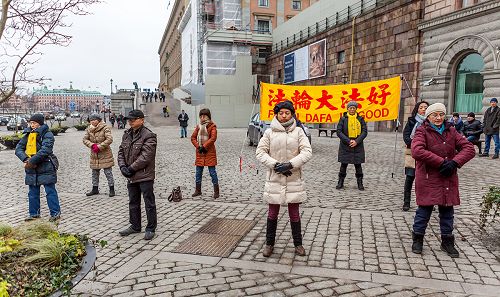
<point x="387" y="44"/>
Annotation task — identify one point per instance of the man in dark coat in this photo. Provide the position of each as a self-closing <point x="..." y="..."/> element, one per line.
<point x="491" y="123"/>
<point x="136" y="158"/>
<point x="472" y="128"/>
<point x="352" y="131"/>
<point x="183" y="122"/>
<point x="35" y="151"/>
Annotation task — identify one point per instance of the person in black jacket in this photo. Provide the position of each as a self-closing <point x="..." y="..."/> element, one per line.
<point x="183" y="122"/>
<point x="456" y="121"/>
<point x="352" y="131"/>
<point x="491" y="124"/>
<point x="472" y="128"/>
<point x="414" y="121"/>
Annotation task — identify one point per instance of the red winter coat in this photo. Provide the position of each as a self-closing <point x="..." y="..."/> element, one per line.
<point x="430" y="149"/>
<point x="210" y="158"/>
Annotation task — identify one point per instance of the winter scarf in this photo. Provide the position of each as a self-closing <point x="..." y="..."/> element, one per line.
<point x="31" y="145"/>
<point x="439" y="129"/>
<point x="288" y="123"/>
<point x="420" y="119"/>
<point x="203" y="133"/>
<point x="353" y="126"/>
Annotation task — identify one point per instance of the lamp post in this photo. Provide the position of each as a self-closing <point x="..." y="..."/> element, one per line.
<point x="111" y="82"/>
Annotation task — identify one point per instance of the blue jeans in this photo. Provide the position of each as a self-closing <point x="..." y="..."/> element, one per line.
<point x="423" y="215"/>
<point x="213" y="174"/>
<point x="487" y="142"/>
<point x="52" y="200"/>
<point x="184" y="132"/>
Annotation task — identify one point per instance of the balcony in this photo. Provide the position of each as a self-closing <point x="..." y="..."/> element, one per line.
<point x="216" y="33"/>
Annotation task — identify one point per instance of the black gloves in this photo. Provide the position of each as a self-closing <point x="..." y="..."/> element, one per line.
<point x="283" y="167"/>
<point x="127" y="171"/>
<point x="202" y="150"/>
<point x="287" y="173"/>
<point x="448" y="168"/>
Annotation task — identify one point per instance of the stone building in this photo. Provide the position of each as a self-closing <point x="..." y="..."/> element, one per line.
<point x="386" y="44"/>
<point x="460" y="54"/>
<point x="62" y="99"/>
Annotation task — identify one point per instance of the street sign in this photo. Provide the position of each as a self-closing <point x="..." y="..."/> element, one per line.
<point x="72" y="106"/>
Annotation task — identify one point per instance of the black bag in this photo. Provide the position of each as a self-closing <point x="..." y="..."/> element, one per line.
<point x="176" y="195"/>
<point x="55" y="162"/>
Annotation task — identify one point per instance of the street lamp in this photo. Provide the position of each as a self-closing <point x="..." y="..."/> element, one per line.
<point x="111" y="81"/>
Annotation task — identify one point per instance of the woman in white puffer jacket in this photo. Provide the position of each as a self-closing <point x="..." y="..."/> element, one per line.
<point x="284" y="149"/>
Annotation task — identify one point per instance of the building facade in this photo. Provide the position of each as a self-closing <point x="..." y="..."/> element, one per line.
<point x="460" y="54"/>
<point x="63" y="99"/>
<point x="365" y="41"/>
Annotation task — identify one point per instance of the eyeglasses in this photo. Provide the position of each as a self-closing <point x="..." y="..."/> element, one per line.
<point x="437" y="115"/>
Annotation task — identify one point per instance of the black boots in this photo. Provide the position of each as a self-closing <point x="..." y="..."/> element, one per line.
<point x="340" y="184"/>
<point x="270" y="237"/>
<point x="216" y="191"/>
<point x="407" y="192"/>
<point x="111" y="191"/>
<point x="359" y="178"/>
<point x="448" y="245"/>
<point x="197" y="192"/>
<point x="418" y="243"/>
<point x="95" y="191"/>
<point x="297" y="238"/>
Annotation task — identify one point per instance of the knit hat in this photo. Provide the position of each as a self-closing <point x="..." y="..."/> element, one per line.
<point x="37" y="117"/>
<point x="436" y="107"/>
<point x="352" y="103"/>
<point x="494" y="100"/>
<point x="471" y="114"/>
<point x="284" y="105"/>
<point x="95" y="116"/>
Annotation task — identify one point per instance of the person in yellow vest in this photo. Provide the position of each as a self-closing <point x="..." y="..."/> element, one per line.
<point x="40" y="165"/>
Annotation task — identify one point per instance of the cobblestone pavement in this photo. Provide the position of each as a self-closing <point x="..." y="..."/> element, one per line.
<point x="357" y="243"/>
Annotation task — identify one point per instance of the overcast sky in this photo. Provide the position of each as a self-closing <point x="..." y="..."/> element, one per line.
<point x="119" y="40"/>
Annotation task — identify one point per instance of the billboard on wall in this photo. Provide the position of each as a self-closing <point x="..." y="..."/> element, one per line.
<point x="305" y="63"/>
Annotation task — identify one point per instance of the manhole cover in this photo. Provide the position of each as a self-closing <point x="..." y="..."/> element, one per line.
<point x="217" y="238"/>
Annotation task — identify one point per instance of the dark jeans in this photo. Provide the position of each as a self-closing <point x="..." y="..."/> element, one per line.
<point x="184" y="132"/>
<point x="211" y="170"/>
<point x="487" y="143"/>
<point x="343" y="168"/>
<point x="52" y="200"/>
<point x="293" y="212"/>
<point x="134" y="204"/>
<point x="423" y="215"/>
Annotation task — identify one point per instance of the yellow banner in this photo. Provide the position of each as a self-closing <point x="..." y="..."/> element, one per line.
<point x="377" y="100"/>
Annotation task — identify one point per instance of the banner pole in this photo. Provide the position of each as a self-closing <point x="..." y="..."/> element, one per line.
<point x="397" y="125"/>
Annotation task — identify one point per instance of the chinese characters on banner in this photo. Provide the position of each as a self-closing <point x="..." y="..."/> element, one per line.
<point x="377" y="100"/>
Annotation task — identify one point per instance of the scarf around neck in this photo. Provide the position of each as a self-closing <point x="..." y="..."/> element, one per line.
<point x="420" y="119"/>
<point x="353" y="126"/>
<point x="203" y="133"/>
<point x="288" y="123"/>
<point x="440" y="129"/>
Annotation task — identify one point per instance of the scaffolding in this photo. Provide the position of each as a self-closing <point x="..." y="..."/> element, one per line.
<point x="228" y="14"/>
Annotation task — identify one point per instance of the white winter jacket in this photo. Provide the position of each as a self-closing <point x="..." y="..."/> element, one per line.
<point x="278" y="146"/>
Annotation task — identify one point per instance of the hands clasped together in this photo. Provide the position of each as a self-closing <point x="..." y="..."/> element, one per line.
<point x="283" y="168"/>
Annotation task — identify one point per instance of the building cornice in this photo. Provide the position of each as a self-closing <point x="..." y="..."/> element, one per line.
<point x="169" y="24"/>
<point x="461" y="15"/>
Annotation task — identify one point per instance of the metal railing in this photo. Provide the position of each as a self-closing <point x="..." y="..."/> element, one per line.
<point x="339" y="18"/>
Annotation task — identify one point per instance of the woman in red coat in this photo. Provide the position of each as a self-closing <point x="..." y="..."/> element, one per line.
<point x="438" y="150"/>
<point x="203" y="139"/>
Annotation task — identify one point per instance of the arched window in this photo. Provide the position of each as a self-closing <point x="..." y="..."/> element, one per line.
<point x="469" y="84"/>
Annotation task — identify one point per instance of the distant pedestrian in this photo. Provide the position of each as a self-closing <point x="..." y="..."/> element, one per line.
<point x="35" y="150"/>
<point x="112" y="119"/>
<point x="162" y="97"/>
<point x="183" y="122"/>
<point x="472" y="128"/>
<point x="136" y="158"/>
<point x="351" y="131"/>
<point x="284" y="149"/>
<point x="164" y="111"/>
<point x="120" y="121"/>
<point x="491" y="124"/>
<point x="457" y="122"/>
<point x="98" y="139"/>
<point x="416" y="119"/>
<point x="156" y="97"/>
<point x="439" y="150"/>
<point x="167" y="109"/>
<point x="203" y="139"/>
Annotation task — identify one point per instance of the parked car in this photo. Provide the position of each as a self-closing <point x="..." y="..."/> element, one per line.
<point x="257" y="127"/>
<point x="60" y="117"/>
<point x="75" y="114"/>
<point x="20" y="122"/>
<point x="4" y="120"/>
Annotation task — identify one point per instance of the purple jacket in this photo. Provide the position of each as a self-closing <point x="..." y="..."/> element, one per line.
<point x="430" y="149"/>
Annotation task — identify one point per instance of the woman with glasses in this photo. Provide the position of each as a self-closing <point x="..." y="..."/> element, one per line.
<point x="439" y="150"/>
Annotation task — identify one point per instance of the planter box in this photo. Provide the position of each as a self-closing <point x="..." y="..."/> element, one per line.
<point x="10" y="144"/>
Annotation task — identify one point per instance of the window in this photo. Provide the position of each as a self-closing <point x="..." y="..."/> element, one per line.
<point x="263" y="3"/>
<point x="296" y="4"/>
<point x="340" y="57"/>
<point x="469" y="84"/>
<point x="263" y="26"/>
<point x="464" y="3"/>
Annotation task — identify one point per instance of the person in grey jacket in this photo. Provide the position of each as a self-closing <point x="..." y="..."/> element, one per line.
<point x="491" y="124"/>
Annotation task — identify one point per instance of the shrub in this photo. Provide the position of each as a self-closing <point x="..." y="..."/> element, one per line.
<point x="55" y="130"/>
<point x="81" y="126"/>
<point x="35" y="230"/>
<point x="15" y="136"/>
<point x="491" y="202"/>
<point x="5" y="229"/>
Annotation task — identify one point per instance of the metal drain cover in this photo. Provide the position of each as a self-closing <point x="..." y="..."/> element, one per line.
<point x="217" y="238"/>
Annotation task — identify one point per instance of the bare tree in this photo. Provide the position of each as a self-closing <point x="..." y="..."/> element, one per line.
<point x="26" y="26"/>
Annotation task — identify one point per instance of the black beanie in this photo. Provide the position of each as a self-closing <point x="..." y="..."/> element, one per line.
<point x="39" y="118"/>
<point x="472" y="115"/>
<point x="284" y="105"/>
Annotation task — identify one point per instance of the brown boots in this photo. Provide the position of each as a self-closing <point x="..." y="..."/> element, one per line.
<point x="197" y="192"/>
<point x="271" y="235"/>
